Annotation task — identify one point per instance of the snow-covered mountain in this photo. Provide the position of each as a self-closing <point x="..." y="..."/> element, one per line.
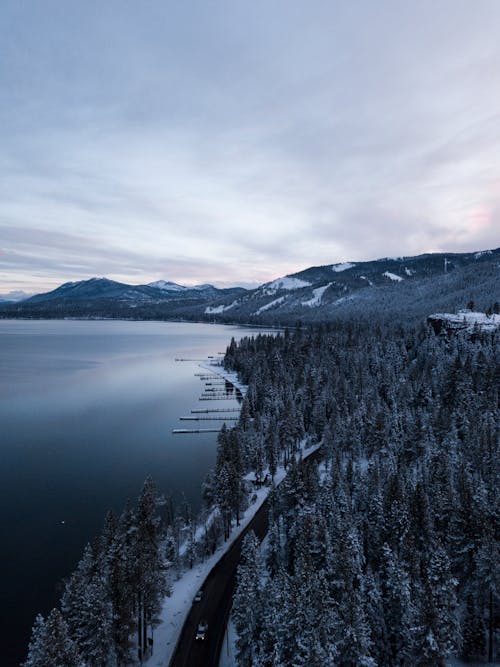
<point x="323" y="292"/>
<point x="101" y="297"/>
<point x="14" y="296"/>
<point x="167" y="286"/>
<point x="420" y="284"/>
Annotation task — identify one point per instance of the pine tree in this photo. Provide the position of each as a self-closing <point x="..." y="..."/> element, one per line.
<point x="51" y="645"/>
<point x="396" y="602"/>
<point x="150" y="581"/>
<point x="247" y="601"/>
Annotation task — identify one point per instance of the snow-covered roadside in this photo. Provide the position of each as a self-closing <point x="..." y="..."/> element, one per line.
<point x="228" y="653"/>
<point x="177" y="606"/>
<point x="230" y="376"/>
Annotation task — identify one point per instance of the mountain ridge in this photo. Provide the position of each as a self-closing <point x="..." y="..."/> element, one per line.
<point x="312" y="294"/>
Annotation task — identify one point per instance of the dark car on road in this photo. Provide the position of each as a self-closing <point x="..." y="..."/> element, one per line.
<point x="201" y="633"/>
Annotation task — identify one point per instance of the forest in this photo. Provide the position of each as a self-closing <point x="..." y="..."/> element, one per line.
<point x="386" y="554"/>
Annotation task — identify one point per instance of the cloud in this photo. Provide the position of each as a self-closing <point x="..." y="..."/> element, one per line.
<point x="234" y="143"/>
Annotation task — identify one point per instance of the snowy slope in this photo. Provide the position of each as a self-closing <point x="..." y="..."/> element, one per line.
<point x="167" y="286"/>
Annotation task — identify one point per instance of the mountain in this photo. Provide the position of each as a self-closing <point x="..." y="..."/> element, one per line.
<point x="167" y="286"/>
<point x="414" y="285"/>
<point x="387" y="287"/>
<point x="13" y="297"/>
<point x="101" y="297"/>
<point x="95" y="289"/>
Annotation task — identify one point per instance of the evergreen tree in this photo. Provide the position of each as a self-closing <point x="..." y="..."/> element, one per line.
<point x="51" y="645"/>
<point x="247" y="601"/>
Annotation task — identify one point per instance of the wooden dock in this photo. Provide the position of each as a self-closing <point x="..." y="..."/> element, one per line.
<point x="218" y="390"/>
<point x="203" y="410"/>
<point x="195" y="430"/>
<point x="216" y="398"/>
<point x="210" y="419"/>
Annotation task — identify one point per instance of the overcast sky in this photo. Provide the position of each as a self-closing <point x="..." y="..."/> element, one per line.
<point x="234" y="142"/>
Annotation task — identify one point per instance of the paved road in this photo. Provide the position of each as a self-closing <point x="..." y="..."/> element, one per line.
<point x="217" y="600"/>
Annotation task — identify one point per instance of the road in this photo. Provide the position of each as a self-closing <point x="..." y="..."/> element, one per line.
<point x="215" y="606"/>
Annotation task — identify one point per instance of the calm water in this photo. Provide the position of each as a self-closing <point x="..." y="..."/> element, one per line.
<point x="86" y="413"/>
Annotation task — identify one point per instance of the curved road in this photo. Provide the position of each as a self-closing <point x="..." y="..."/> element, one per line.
<point x="215" y="605"/>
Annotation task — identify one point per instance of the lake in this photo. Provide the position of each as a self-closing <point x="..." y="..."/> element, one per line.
<point x="87" y="410"/>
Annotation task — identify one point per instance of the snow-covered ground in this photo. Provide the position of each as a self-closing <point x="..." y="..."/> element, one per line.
<point x="288" y="283"/>
<point x="317" y="296"/>
<point x="167" y="286"/>
<point x="230" y="376"/>
<point x="276" y="302"/>
<point x="216" y="310"/>
<point x="392" y="276"/>
<point x="338" y="268"/>
<point x="228" y="653"/>
<point x="177" y="605"/>
<point x="468" y="318"/>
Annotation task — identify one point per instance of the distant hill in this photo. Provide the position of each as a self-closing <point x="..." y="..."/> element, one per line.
<point x="415" y="286"/>
<point x="409" y="286"/>
<point x="13" y="297"/>
<point x="101" y="297"/>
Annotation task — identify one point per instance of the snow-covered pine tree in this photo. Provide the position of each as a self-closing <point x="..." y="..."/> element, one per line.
<point x="247" y="601"/>
<point x="51" y="645"/>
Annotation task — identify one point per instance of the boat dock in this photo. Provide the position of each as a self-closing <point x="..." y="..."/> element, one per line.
<point x="216" y="388"/>
<point x="195" y="430"/>
<point x="215" y="410"/>
<point x="196" y="419"/>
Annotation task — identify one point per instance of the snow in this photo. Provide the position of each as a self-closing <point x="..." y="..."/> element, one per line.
<point x="317" y="296"/>
<point x="367" y="280"/>
<point x="288" y="283"/>
<point x="230" y="376"/>
<point x="392" y="276"/>
<point x="176" y="607"/>
<point x="469" y="318"/>
<point x="276" y="302"/>
<point x="343" y="299"/>
<point x="228" y="653"/>
<point x="342" y="267"/>
<point x="409" y="272"/>
<point x="167" y="286"/>
<point x="216" y="310"/>
<point x="481" y="253"/>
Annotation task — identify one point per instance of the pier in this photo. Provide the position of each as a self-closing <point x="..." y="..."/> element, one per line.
<point x="216" y="398"/>
<point x="215" y="410"/>
<point x="197" y="419"/>
<point x="195" y="430"/>
<point x="216" y="388"/>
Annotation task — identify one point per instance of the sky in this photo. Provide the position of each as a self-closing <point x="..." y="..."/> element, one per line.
<point x="233" y="142"/>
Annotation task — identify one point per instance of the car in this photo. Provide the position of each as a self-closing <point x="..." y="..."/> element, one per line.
<point x="201" y="633"/>
<point x="198" y="596"/>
